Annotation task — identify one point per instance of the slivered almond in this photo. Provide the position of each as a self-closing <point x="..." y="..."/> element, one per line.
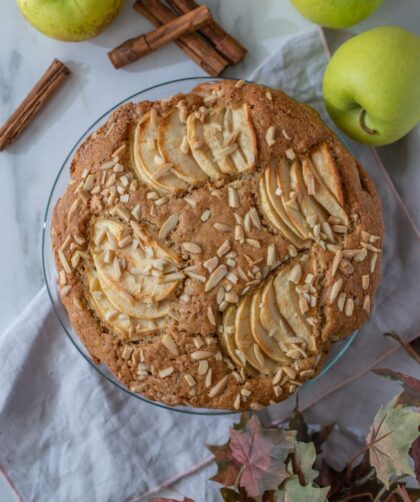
<point x="349" y="307"/>
<point x="271" y="255"/>
<point x="208" y="379"/>
<point x="290" y="154"/>
<point x="269" y="136"/>
<point x="365" y="282"/>
<point x="125" y="241"/>
<point x="192" y="247"/>
<point x="222" y="227"/>
<point x="136" y="213"/>
<point x="336" y="262"/>
<point x="361" y="255"/>
<point x="290" y="372"/>
<point x="269" y="96"/>
<point x="219" y="387"/>
<point x="119" y="152"/>
<point x="239" y="84"/>
<point x="366" y="303"/>
<point x="295" y="274"/>
<point x="89" y="183"/>
<point x="65" y="290"/>
<point x="210" y="315"/>
<point x="370" y="247"/>
<point x="328" y="231"/>
<point x="335" y="290"/>
<point x="190" y="380"/>
<point x="205" y="215"/>
<point x="233" y="278"/>
<point x="242" y="273"/>
<point x="166" y="372"/>
<point x="231" y="138"/>
<point x="127" y="351"/>
<point x="253" y="242"/>
<point x="277" y="376"/>
<point x="170" y="344"/>
<point x="223" y="249"/>
<point x="175" y="276"/>
<point x="160" y="202"/>
<point x="292" y="250"/>
<point x="64" y="262"/>
<point x="303" y="305"/>
<point x="203" y="366"/>
<point x="196" y="277"/>
<point x="237" y="402"/>
<point x="215" y="277"/>
<point x="220" y="295"/>
<point x="201" y="354"/>
<point x="341" y="301"/>
<point x="211" y="263"/>
<point x="373" y="263"/>
<point x="239" y="233"/>
<point x="247" y="222"/>
<point x="233" y="199"/>
<point x="255" y="218"/>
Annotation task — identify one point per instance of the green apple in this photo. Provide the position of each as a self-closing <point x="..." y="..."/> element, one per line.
<point x="336" y="13"/>
<point x="371" y="86"/>
<point x="70" y="20"/>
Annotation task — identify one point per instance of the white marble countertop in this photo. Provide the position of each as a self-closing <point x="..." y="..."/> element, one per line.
<point x="30" y="166"/>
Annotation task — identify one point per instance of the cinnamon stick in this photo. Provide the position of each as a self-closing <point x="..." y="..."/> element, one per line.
<point x="42" y="91"/>
<point x="136" y="48"/>
<point x="195" y="46"/>
<point x="224" y="43"/>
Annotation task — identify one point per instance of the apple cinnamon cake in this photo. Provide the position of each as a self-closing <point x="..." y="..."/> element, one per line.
<point x="212" y="246"/>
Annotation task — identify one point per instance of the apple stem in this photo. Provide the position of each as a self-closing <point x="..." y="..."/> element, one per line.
<point x="363" y="125"/>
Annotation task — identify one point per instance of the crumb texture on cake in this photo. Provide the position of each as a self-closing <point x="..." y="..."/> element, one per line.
<point x="212" y="247"/>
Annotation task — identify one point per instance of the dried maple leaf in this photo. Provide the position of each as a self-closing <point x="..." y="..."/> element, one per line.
<point x="411" y="394"/>
<point x="163" y="499"/>
<point x="292" y="491"/>
<point x="415" y="455"/>
<point x="389" y="439"/>
<point x="227" y="467"/>
<point x="262" y="454"/>
<point x="304" y="458"/>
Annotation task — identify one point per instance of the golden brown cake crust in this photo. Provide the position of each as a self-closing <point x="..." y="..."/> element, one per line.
<point x="141" y="363"/>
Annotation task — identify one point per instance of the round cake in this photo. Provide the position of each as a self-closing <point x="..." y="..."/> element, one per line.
<point x="212" y="246"/>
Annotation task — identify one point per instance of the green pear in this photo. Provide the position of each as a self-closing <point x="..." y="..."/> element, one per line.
<point x="371" y="86"/>
<point x="336" y="13"/>
<point x="70" y="20"/>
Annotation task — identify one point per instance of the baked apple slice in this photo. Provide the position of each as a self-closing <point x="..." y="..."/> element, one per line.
<point x="149" y="164"/>
<point x="322" y="194"/>
<point x="324" y="163"/>
<point x="313" y="212"/>
<point x="199" y="148"/>
<point x="290" y="205"/>
<point x="174" y="148"/>
<point x="273" y="217"/>
<point x="271" y="319"/>
<point x="288" y="304"/>
<point x="267" y="343"/>
<point x="245" y="341"/>
<point x="238" y="124"/>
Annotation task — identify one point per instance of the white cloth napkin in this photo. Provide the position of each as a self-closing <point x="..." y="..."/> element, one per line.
<point x="68" y="434"/>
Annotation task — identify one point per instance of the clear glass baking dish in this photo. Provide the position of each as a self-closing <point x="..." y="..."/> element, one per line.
<point x="156" y="92"/>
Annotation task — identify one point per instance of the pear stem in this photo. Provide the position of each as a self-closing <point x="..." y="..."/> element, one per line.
<point x="363" y="125"/>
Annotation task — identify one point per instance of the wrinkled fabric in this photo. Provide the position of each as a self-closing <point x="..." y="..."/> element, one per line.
<point x="66" y="433"/>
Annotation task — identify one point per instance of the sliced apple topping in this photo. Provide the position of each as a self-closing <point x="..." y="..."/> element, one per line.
<point x="262" y="337"/>
<point x="148" y="273"/>
<point x="245" y="341"/>
<point x="238" y="125"/>
<point x="173" y="147"/>
<point x="299" y="202"/>
<point x="121" y="323"/>
<point x="150" y="166"/>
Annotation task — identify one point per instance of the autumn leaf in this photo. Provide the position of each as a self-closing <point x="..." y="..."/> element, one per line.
<point x="231" y="495"/>
<point x="389" y="439"/>
<point x="227" y="467"/>
<point x="163" y="499"/>
<point x="303" y="459"/>
<point x="292" y="491"/>
<point x="415" y="455"/>
<point x="262" y="454"/>
<point x="297" y="423"/>
<point x="411" y="393"/>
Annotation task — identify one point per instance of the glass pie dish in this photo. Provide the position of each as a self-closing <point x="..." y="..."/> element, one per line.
<point x="50" y="274"/>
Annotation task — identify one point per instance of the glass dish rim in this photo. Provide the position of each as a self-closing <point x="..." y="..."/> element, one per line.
<point x="191" y="410"/>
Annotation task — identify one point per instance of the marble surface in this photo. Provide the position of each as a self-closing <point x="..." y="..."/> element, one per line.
<point x="30" y="166"/>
